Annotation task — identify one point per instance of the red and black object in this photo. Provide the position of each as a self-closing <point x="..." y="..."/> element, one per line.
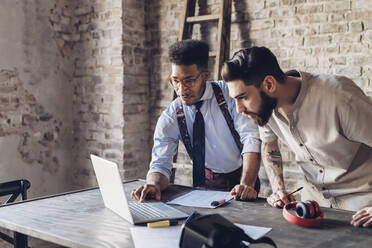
<point x="309" y="213"/>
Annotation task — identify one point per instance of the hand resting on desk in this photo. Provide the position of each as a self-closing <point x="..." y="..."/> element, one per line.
<point x="243" y="192"/>
<point x="363" y="217"/>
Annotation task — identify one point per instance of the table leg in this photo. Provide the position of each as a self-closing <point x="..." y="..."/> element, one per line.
<point x="20" y="240"/>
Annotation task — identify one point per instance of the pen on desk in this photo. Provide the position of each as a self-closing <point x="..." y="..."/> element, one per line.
<point x="191" y="216"/>
<point x="218" y="203"/>
<point x="163" y="223"/>
<point x="295" y="191"/>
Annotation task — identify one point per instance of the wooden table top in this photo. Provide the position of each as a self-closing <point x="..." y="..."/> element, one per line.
<point x="79" y="219"/>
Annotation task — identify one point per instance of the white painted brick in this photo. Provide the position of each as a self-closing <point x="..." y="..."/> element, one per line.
<point x="337" y="6"/>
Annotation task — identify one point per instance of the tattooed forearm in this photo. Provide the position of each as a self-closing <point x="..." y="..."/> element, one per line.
<point x="275" y="157"/>
<point x="272" y="161"/>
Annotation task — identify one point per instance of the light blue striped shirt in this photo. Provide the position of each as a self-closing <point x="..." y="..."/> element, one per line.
<point x="221" y="153"/>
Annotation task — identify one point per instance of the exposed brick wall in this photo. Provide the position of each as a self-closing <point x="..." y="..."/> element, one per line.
<point x="320" y="36"/>
<point x="136" y="90"/>
<point x="89" y="35"/>
<point x="105" y="42"/>
<point x="22" y="115"/>
<point x="35" y="129"/>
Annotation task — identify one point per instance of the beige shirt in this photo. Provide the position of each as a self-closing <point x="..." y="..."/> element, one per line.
<point x="330" y="132"/>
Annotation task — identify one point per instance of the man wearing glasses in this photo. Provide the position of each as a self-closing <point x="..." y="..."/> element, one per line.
<point x="203" y="117"/>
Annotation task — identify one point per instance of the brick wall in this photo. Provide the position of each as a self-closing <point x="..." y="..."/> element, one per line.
<point x="136" y="90"/>
<point x="320" y="36"/>
<point x="105" y="42"/>
<point x="35" y="119"/>
<point x="89" y="34"/>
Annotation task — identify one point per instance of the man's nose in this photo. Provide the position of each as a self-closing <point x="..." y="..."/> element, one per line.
<point x="183" y="89"/>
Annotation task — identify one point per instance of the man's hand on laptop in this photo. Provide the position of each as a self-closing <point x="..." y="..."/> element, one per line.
<point x="243" y="192"/>
<point x="147" y="191"/>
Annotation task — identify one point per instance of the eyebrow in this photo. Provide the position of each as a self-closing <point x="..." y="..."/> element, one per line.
<point x="240" y="95"/>
<point x="182" y="78"/>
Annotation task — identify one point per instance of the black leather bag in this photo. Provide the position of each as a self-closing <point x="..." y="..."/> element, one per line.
<point x="214" y="231"/>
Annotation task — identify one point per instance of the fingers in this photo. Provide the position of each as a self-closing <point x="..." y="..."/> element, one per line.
<point x="136" y="194"/>
<point x="144" y="192"/>
<point x="239" y="190"/>
<point x="291" y="198"/>
<point x="368" y="223"/>
<point x="249" y="193"/>
<point x="243" y="192"/>
<point x="279" y="204"/>
<point x="278" y="199"/>
<point x="362" y="220"/>
<point x="362" y="217"/>
<point x="157" y="194"/>
<point x="359" y="213"/>
<point x="271" y="199"/>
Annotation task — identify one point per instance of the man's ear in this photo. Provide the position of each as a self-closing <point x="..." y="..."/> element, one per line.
<point x="269" y="85"/>
<point x="206" y="75"/>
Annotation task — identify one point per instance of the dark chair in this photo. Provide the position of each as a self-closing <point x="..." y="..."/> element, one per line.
<point x="14" y="189"/>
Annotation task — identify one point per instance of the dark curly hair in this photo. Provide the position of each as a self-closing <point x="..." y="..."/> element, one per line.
<point x="188" y="52"/>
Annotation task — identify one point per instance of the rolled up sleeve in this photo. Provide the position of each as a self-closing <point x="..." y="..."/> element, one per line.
<point x="266" y="134"/>
<point x="248" y="131"/>
<point x="166" y="139"/>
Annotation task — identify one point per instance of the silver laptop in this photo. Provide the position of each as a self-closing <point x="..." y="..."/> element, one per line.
<point x="114" y="198"/>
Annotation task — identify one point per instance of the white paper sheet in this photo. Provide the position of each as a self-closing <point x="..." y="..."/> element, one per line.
<point x="169" y="237"/>
<point x="201" y="198"/>
<point x="162" y="237"/>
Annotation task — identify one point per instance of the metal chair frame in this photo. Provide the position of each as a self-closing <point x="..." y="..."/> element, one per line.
<point x="14" y="189"/>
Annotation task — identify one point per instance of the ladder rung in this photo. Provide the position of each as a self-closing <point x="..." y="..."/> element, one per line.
<point x="202" y="18"/>
<point x="212" y="54"/>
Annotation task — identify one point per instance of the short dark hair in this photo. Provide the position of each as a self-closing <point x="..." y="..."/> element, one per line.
<point x="252" y="65"/>
<point x="188" y="52"/>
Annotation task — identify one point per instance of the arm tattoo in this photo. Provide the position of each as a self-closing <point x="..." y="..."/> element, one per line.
<point x="274" y="167"/>
<point x="275" y="157"/>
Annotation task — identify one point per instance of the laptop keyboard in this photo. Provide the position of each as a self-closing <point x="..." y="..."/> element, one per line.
<point x="147" y="211"/>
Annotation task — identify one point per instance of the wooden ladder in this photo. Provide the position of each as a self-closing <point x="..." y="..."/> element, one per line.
<point x="223" y="33"/>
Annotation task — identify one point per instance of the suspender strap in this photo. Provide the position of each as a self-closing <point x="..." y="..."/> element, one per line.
<point x="225" y="111"/>
<point x="183" y="127"/>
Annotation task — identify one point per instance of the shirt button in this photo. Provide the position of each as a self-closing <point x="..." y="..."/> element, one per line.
<point x="311" y="159"/>
<point x="321" y="171"/>
<point x="301" y="144"/>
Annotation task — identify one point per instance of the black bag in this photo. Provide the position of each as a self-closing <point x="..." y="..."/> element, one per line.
<point x="214" y="231"/>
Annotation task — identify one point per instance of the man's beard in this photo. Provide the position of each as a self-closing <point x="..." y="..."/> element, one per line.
<point x="268" y="104"/>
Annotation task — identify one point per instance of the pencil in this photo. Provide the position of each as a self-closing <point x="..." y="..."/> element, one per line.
<point x="295" y="191"/>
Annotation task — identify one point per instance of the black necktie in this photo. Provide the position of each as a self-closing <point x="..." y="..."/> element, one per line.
<point x="198" y="148"/>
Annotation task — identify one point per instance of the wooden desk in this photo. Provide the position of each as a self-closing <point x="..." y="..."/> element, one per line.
<point x="80" y="219"/>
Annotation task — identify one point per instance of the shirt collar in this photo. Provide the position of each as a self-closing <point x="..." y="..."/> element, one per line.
<point x="208" y="93"/>
<point x="301" y="95"/>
